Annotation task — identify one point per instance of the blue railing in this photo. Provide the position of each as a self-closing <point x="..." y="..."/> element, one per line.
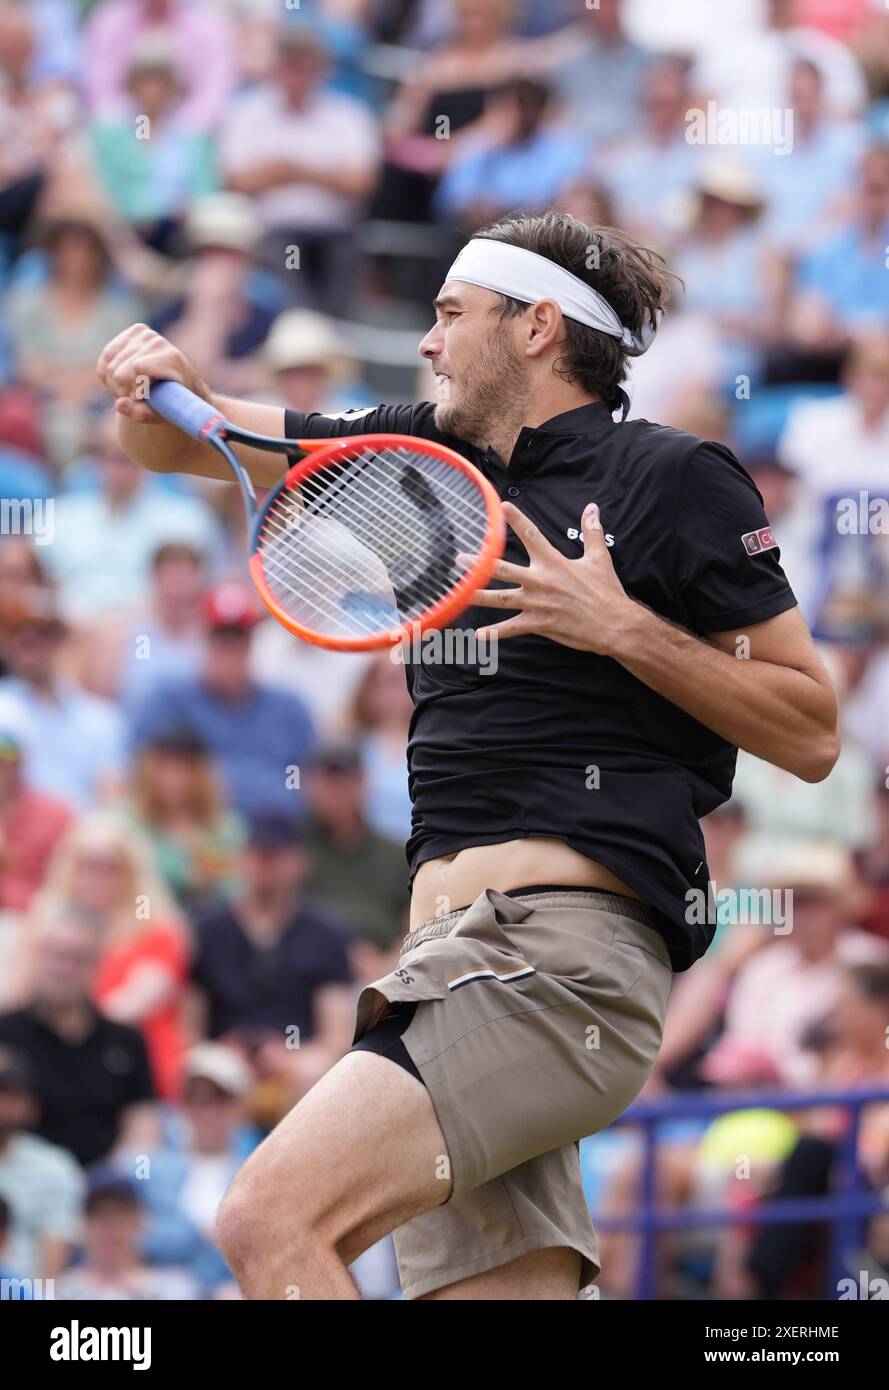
<point x="845" y="1207"/>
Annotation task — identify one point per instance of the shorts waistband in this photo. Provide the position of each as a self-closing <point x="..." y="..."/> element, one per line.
<point x="616" y="903"/>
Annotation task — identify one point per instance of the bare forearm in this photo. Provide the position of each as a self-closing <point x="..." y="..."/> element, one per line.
<point x="139" y="356"/>
<point x="780" y="714"/>
<point x="165" y="449"/>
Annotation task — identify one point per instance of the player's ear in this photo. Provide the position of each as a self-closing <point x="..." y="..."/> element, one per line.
<point x="545" y="326"/>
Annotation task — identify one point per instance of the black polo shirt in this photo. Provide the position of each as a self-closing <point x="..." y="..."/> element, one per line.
<point x="267" y="988"/>
<point x="83" y="1087"/>
<point x="569" y="744"/>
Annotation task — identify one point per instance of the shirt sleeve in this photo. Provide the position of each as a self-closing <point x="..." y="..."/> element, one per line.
<point x="726" y="563"/>
<point x="374" y="419"/>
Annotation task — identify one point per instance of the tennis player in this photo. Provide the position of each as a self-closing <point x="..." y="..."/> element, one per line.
<point x="645" y="632"/>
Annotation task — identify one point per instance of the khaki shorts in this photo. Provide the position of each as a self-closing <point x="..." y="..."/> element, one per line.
<point x="538" y="1020"/>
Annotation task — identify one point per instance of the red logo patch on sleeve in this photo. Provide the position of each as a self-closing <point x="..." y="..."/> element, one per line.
<point x="755" y="541"/>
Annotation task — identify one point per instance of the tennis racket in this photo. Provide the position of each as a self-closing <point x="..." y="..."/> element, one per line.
<point x="356" y="547"/>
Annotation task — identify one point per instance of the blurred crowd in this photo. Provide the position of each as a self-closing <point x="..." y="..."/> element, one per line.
<point x="201" y="819"/>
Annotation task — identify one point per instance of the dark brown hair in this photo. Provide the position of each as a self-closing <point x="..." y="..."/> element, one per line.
<point x="631" y="277"/>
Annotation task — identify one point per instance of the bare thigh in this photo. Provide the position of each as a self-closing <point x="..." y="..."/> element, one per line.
<point x="359" y="1155"/>
<point x="542" y="1275"/>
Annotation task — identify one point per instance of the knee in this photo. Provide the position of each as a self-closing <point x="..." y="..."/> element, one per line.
<point x="237" y="1226"/>
<point x="255" y="1221"/>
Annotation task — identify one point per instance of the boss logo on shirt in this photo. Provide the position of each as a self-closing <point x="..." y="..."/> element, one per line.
<point x="575" y="534"/>
<point x="755" y="541"/>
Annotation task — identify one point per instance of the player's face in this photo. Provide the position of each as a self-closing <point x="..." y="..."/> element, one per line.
<point x="477" y="367"/>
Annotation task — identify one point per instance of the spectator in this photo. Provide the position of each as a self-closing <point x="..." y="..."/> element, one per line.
<point x="31" y="826"/>
<point x="22" y="573"/>
<point x="40" y="1182"/>
<point x="197" y="30"/>
<point x="865" y="709"/>
<point x="441" y="105"/>
<point x="807" y="184"/>
<point x="57" y="53"/>
<point x="752" y="71"/>
<point x="36" y="114"/>
<point x="589" y="200"/>
<point x="308" y="157"/>
<point x="852" y="430"/>
<point x="150" y="164"/>
<point x="91" y="1076"/>
<point x="73" y="743"/>
<point x="271" y="969"/>
<point x="230" y="303"/>
<point x="59" y="324"/>
<point x="134" y="516"/>
<point x="722" y="262"/>
<point x="875" y="866"/>
<point x="103" y="874"/>
<point x="112" y="1266"/>
<point x="22" y="475"/>
<point x="261" y="736"/>
<point x="851" y="1052"/>
<point x="840" y="446"/>
<point x="355" y="871"/>
<point x="650" y="172"/>
<point x="520" y="159"/>
<point x="597" y="71"/>
<point x="871" y="47"/>
<point x="379" y="718"/>
<point x="795" y="979"/>
<point x="177" y="803"/>
<point x="124" y="655"/>
<point x="189" y="1177"/>
<point x="842" y="287"/>
<point x="309" y="366"/>
<point x="778" y="812"/>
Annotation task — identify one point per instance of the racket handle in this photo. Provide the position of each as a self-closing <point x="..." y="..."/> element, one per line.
<point x="185" y="410"/>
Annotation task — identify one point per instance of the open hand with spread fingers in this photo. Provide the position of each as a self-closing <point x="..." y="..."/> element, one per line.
<point x="580" y="603"/>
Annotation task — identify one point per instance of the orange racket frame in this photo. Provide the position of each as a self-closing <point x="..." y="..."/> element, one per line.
<point x="320" y="452"/>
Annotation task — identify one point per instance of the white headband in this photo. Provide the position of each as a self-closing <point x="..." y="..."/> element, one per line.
<point x="523" y="275"/>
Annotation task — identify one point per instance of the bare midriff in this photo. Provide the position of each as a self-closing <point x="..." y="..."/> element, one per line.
<point x="455" y="880"/>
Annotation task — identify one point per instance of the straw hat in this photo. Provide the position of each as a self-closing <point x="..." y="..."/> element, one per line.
<point x="302" y="338"/>
<point x="731" y="181"/>
<point x="225" y="220"/>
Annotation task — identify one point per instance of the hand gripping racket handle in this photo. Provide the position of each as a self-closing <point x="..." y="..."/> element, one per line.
<point x="184" y="409"/>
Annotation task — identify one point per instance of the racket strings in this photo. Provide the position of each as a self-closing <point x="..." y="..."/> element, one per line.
<point x="399" y="566"/>
<point x="319" y="502"/>
<point x="298" y="511"/>
<point x="367" y="576"/>
<point x="370" y="542"/>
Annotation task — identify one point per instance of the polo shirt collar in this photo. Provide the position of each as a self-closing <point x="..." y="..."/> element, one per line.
<point x="578" y="421"/>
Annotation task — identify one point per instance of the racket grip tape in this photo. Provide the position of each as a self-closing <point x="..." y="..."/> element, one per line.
<point x="185" y="410"/>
